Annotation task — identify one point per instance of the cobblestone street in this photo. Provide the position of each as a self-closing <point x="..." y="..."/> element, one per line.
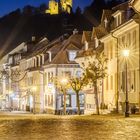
<point x="46" y="127"/>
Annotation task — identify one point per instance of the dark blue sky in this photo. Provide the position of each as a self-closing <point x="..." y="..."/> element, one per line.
<point x="7" y="6"/>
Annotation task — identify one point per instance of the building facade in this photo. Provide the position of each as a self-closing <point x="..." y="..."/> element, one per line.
<point x="32" y="71"/>
<point x="61" y="64"/>
<point x="62" y="6"/>
<point x="119" y="30"/>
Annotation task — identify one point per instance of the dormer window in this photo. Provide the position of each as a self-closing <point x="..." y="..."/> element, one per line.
<point x="72" y="55"/>
<point x="96" y="42"/>
<point x="10" y="60"/>
<point x="118" y="18"/>
<point x="86" y="45"/>
<point x="105" y="22"/>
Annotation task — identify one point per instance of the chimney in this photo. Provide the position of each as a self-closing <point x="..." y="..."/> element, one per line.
<point x="33" y="38"/>
<point x="75" y="31"/>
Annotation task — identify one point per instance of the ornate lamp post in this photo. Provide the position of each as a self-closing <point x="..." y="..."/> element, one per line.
<point x="126" y="53"/>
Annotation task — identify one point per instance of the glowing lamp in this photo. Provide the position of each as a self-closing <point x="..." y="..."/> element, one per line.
<point x="126" y="52"/>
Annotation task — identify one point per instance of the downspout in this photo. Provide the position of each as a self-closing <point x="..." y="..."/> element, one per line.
<point x="56" y="89"/>
<point x="117" y="92"/>
<point x="131" y="5"/>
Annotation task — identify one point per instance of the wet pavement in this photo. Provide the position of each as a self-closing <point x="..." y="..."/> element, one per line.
<point x="42" y="127"/>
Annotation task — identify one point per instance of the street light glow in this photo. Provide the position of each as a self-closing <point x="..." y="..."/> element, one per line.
<point x="64" y="81"/>
<point x="126" y="52"/>
<point x="34" y="88"/>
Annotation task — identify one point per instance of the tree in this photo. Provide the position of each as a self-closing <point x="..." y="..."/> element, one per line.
<point x="78" y="11"/>
<point x="28" y="10"/>
<point x="62" y="85"/>
<point x="94" y="71"/>
<point x="77" y="85"/>
<point x="42" y="8"/>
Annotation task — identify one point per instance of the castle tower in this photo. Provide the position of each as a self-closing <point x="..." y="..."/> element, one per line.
<point x="53" y="8"/>
<point x="66" y="5"/>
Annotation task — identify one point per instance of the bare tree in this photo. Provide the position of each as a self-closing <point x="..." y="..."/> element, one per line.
<point x="77" y="84"/>
<point x="94" y="71"/>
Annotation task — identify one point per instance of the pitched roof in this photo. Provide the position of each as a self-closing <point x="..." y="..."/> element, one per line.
<point x="99" y="31"/>
<point x="61" y="55"/>
<point x="106" y="15"/>
<point x="86" y="36"/>
<point x="122" y="6"/>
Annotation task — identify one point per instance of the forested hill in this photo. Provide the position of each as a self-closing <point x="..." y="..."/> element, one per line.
<point x="21" y="25"/>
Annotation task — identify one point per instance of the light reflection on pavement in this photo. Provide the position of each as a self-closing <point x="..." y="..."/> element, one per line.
<point x="47" y="127"/>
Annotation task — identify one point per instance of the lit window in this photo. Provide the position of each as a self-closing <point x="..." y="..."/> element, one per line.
<point x="68" y="100"/>
<point x="81" y="99"/>
<point x="66" y="74"/>
<point x="72" y="55"/>
<point x="78" y="73"/>
<point x="111" y="82"/>
<point x="134" y="39"/>
<point x="96" y="42"/>
<point x="107" y="83"/>
<point x="118" y="19"/>
<point x="111" y="51"/>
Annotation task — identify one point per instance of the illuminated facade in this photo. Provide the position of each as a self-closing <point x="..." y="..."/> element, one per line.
<point x="58" y="7"/>
<point x="135" y="4"/>
<point x="119" y="29"/>
<point x="53" y="8"/>
<point x="60" y="64"/>
<point x="66" y="5"/>
<point x="32" y="69"/>
<point x="124" y="33"/>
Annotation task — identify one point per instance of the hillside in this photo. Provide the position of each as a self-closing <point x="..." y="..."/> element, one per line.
<point x="16" y="27"/>
<point x="21" y="25"/>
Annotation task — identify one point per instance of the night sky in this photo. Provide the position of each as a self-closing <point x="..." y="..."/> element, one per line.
<point x="7" y="6"/>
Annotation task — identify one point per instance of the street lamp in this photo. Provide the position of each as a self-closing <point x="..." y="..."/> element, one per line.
<point x="64" y="83"/>
<point x="126" y="53"/>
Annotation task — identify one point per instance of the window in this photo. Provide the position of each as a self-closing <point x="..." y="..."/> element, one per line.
<point x="90" y="106"/>
<point x="50" y="77"/>
<point x="130" y="81"/>
<point x="78" y="74"/>
<point x="111" y="51"/>
<point x="67" y="74"/>
<point x="86" y="45"/>
<point x="68" y="100"/>
<point x="45" y="100"/>
<point x="118" y="19"/>
<point x="50" y="100"/>
<point x="111" y="82"/>
<point x="123" y="87"/>
<point x="96" y="42"/>
<point x="45" y="78"/>
<point x="107" y="83"/>
<point x="129" y="38"/>
<point x="11" y="60"/>
<point x="81" y="99"/>
<point x="30" y="81"/>
<point x="134" y="39"/>
<point x="72" y="55"/>
<point x="123" y="40"/>
<point x="37" y="61"/>
<point x="105" y="22"/>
